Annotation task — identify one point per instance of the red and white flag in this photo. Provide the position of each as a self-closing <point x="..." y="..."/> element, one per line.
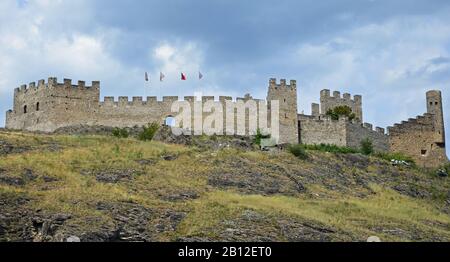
<point x="161" y="76"/>
<point x="146" y="77"/>
<point x="200" y="75"/>
<point x="183" y="76"/>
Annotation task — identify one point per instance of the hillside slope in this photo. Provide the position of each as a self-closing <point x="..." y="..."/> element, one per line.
<point x="100" y="188"/>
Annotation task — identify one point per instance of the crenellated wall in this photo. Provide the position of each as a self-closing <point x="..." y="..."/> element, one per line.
<point x="319" y="128"/>
<point x="324" y="130"/>
<point x="423" y="137"/>
<point x="328" y="101"/>
<point x="47" y="106"/>
<point x="65" y="104"/>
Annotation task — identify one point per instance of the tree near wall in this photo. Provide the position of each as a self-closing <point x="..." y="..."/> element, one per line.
<point x="340" y="111"/>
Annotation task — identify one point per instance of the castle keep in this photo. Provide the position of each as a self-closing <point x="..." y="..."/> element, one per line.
<point x="52" y="105"/>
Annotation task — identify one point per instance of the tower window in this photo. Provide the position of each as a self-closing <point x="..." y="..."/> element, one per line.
<point x="436" y="103"/>
<point x="37" y="106"/>
<point x="423" y="152"/>
<point x="285" y="100"/>
<point x="25" y="109"/>
<point x="431" y="103"/>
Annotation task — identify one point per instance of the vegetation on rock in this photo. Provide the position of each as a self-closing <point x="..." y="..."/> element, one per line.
<point x="148" y="132"/>
<point x="53" y="187"/>
<point x="367" y="146"/>
<point x="120" y="132"/>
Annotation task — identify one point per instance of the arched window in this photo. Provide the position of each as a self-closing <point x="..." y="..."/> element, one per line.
<point x="37" y="106"/>
<point x="24" y="109"/>
<point x="170" y="121"/>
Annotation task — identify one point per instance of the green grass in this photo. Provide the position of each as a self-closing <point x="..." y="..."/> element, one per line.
<point x="353" y="215"/>
<point x="394" y="156"/>
<point x="77" y="194"/>
<point x="298" y="151"/>
<point x="331" y="148"/>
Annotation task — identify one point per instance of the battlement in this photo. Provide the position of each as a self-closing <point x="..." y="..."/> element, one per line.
<point x="420" y="123"/>
<point x="328" y="101"/>
<point x="282" y="85"/>
<point x="342" y="119"/>
<point x="52" y="82"/>
<point x="325" y="94"/>
<point x="167" y="100"/>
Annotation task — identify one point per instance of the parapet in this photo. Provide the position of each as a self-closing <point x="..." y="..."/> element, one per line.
<point x="368" y="126"/>
<point x="170" y="98"/>
<point x="273" y="84"/>
<point x="315" y="109"/>
<point x="380" y="130"/>
<point x="225" y="98"/>
<point x="420" y="123"/>
<point x="325" y="95"/>
<point x="52" y="82"/>
<point x="207" y="98"/>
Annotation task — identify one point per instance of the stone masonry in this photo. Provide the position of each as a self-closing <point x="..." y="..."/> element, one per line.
<point x="52" y="105"/>
<point x="422" y="137"/>
<point x="319" y="128"/>
<point x="48" y="106"/>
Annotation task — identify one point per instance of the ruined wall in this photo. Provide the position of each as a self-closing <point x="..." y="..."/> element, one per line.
<point x="422" y="137"/>
<point x="329" y="102"/>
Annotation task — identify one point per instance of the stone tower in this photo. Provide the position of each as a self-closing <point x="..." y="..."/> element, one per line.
<point x="47" y="106"/>
<point x="286" y="95"/>
<point x="434" y="106"/>
<point x="423" y="137"/>
<point x="329" y="102"/>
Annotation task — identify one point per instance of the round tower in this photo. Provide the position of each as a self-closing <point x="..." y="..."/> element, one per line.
<point x="434" y="106"/>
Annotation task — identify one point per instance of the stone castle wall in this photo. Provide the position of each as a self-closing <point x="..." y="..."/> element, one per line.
<point x="423" y="137"/>
<point x="323" y="130"/>
<point x="49" y="106"/>
<point x="52" y="105"/>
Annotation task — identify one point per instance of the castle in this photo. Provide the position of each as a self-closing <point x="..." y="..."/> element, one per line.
<point x="52" y="105"/>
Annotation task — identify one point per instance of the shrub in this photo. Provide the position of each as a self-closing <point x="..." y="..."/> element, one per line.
<point x="332" y="148"/>
<point x="338" y="111"/>
<point x="259" y="136"/>
<point x="148" y="132"/>
<point x="298" y="151"/>
<point x="366" y="146"/>
<point x="120" y="132"/>
<point x="447" y="168"/>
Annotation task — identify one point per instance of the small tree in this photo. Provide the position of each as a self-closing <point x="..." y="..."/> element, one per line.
<point x="366" y="146"/>
<point x="338" y="111"/>
<point x="148" y="132"/>
<point x="298" y="151"/>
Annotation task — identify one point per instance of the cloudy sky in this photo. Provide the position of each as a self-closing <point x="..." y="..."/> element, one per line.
<point x="390" y="52"/>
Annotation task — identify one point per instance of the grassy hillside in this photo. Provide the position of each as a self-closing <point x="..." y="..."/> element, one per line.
<point x="101" y="188"/>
